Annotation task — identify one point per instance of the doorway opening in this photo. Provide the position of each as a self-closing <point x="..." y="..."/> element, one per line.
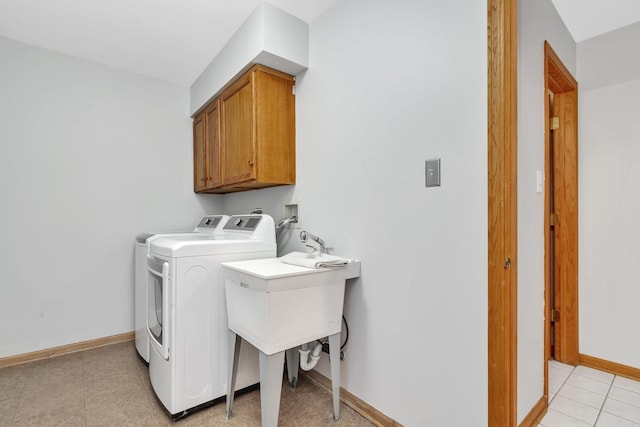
<point x="561" y="213"/>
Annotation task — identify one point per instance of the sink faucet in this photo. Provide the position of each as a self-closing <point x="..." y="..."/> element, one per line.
<point x="305" y="236"/>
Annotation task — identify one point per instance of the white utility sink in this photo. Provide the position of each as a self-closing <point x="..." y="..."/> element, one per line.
<point x="277" y="306"/>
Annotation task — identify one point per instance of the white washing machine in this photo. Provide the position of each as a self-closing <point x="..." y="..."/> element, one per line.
<point x="208" y="225"/>
<point x="187" y="321"/>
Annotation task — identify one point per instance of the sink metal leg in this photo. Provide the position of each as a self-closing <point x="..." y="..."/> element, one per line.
<point x="232" y="369"/>
<point x="334" y="354"/>
<point x="270" y="387"/>
<point x="293" y="361"/>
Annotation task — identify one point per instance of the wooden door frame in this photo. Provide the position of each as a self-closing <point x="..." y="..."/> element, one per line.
<point x="558" y="80"/>
<point x="502" y="212"/>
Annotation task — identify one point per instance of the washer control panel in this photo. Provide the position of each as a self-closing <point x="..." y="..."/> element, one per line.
<point x="243" y="222"/>
<point x="209" y="222"/>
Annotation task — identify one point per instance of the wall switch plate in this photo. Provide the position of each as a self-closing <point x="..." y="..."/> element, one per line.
<point x="432" y="173"/>
<point x="539" y="182"/>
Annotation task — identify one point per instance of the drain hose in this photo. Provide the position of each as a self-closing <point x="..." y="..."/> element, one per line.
<point x="309" y="361"/>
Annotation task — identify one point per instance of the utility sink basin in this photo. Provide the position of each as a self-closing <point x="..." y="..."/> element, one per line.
<point x="277" y="306"/>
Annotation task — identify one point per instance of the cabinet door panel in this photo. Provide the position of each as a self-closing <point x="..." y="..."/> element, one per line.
<point x="238" y="132"/>
<point x="199" y="157"/>
<point x="275" y="116"/>
<point x="213" y="145"/>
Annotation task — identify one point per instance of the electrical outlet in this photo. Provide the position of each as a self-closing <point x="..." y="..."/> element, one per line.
<point x="325" y="349"/>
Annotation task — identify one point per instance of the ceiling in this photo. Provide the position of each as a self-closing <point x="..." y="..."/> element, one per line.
<point x="174" y="40"/>
<point x="589" y="18"/>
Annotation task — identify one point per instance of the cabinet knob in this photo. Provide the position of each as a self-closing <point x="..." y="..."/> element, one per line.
<point x="251" y="163"/>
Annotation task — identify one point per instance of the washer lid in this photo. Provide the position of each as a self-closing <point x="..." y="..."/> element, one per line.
<point x="182" y="235"/>
<point x="200" y="245"/>
<point x="208" y="224"/>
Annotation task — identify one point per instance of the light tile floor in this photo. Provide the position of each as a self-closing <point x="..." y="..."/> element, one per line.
<point x="109" y="386"/>
<point x="583" y="396"/>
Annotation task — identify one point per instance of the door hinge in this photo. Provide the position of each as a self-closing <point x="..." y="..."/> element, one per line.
<point x="555" y="123"/>
<point x="555" y="315"/>
<point x="293" y="89"/>
<point x="554" y="219"/>
<point x="507" y="263"/>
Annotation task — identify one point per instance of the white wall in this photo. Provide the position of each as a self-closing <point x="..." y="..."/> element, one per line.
<point x="609" y="59"/>
<point x="269" y="36"/>
<point x="91" y="156"/>
<point x="609" y="177"/>
<point x="537" y="21"/>
<point x="389" y="85"/>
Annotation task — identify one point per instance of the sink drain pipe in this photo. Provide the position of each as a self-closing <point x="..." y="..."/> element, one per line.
<point x="309" y="361"/>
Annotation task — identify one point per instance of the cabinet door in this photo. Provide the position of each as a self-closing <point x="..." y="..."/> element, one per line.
<point x="212" y="145"/>
<point x="199" y="157"/>
<point x="238" y="132"/>
<point x="275" y="127"/>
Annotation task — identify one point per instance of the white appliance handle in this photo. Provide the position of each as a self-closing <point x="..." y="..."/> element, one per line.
<point x="165" y="310"/>
<point x="153" y="265"/>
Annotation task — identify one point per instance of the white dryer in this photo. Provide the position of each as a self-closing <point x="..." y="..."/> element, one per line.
<point x="187" y="316"/>
<point x="208" y="225"/>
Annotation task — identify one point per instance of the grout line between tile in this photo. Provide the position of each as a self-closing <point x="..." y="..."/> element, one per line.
<point x="593" y="379"/>
<point x="618" y="415"/>
<point x="626" y="403"/>
<point x="561" y="385"/>
<point x="606" y="396"/>
<point x="571" y="416"/>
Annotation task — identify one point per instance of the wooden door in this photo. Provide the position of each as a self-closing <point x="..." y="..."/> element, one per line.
<point x="238" y="132"/>
<point x="565" y="229"/>
<point x="561" y="212"/>
<point x="199" y="156"/>
<point x="212" y="143"/>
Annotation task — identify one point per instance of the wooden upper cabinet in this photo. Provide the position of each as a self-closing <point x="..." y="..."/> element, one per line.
<point x="252" y="143"/>
<point x="206" y="148"/>
<point x="199" y="159"/>
<point x="212" y="142"/>
<point x="238" y="124"/>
